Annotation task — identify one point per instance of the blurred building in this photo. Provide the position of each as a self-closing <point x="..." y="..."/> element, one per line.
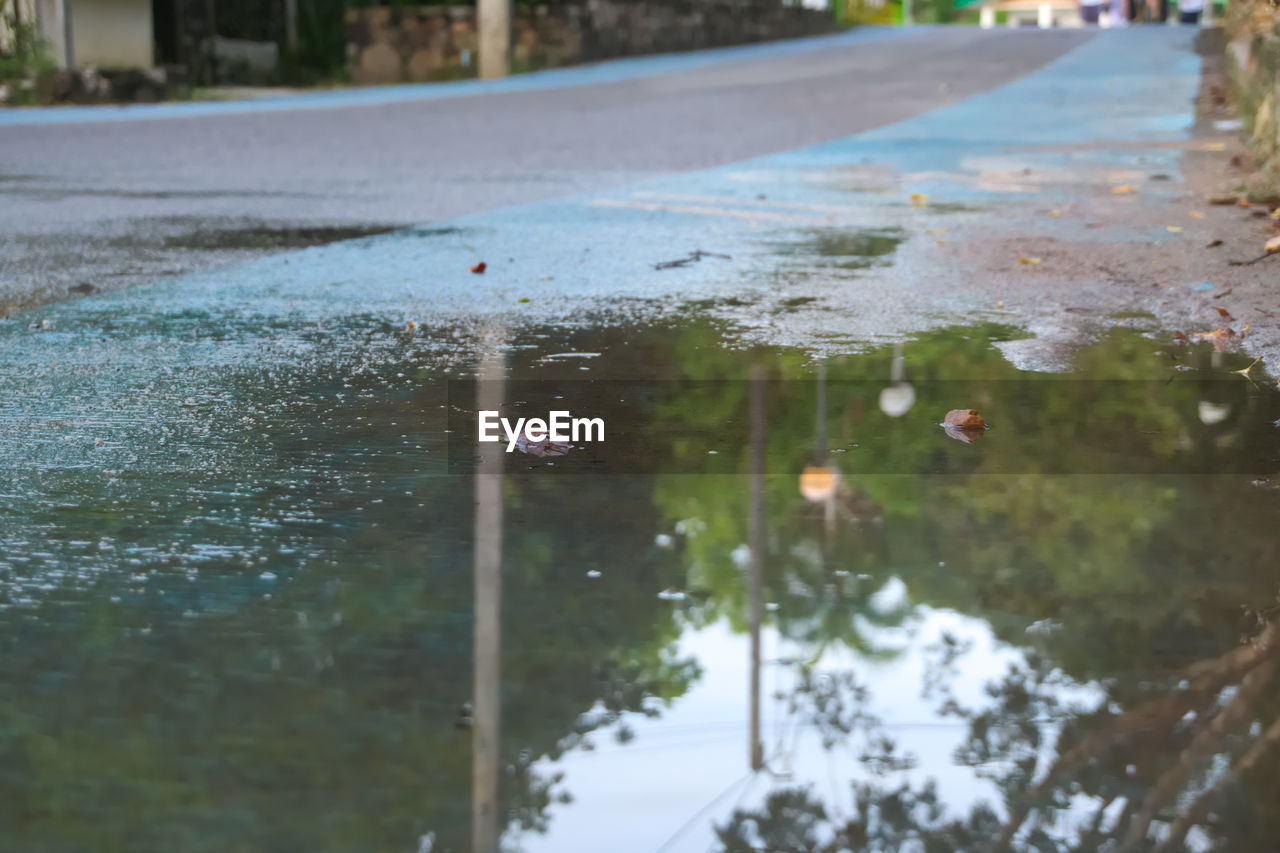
<point x="1021" y="13"/>
<point x="106" y="33"/>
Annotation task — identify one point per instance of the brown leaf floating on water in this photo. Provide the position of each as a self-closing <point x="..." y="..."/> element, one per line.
<point x="965" y="419"/>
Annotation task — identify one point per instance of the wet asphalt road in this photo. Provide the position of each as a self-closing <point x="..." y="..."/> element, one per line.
<point x="96" y="206"/>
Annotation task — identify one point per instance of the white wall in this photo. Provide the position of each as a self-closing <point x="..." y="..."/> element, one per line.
<point x="112" y="33"/>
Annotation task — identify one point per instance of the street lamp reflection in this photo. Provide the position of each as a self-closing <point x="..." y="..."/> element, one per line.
<point x="896" y="400"/>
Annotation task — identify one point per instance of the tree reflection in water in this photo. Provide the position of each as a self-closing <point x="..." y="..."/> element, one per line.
<point x="1132" y="585"/>
<point x="1135" y="780"/>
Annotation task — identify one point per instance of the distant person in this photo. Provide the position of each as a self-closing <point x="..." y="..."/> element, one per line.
<point x="1189" y="11"/>
<point x="1091" y="11"/>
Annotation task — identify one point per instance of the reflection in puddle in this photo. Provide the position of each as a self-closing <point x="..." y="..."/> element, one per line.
<point x="848" y="248"/>
<point x="257" y="629"/>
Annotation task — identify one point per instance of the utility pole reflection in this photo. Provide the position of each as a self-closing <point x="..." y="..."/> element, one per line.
<point x="487" y="570"/>
<point x="756" y="543"/>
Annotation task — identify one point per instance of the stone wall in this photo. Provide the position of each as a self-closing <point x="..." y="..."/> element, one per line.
<point x="386" y="45"/>
<point x="1253" y="53"/>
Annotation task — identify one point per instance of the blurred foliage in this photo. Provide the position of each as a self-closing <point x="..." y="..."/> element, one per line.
<point x="1127" y="582"/>
<point x="23" y="56"/>
<point x="322" y="44"/>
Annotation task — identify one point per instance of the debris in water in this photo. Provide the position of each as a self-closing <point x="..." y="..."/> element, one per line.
<point x="964" y="425"/>
<point x="478" y="268"/>
<point x="965" y="419"/>
<point x="694" y="256"/>
<point x="1222" y="338"/>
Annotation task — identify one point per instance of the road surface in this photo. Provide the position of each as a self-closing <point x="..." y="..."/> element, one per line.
<point x="95" y="205"/>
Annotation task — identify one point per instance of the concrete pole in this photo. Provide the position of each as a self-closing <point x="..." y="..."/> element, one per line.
<point x="68" y="52"/>
<point x="494" y="24"/>
<point x="756" y="544"/>
<point x="487" y="649"/>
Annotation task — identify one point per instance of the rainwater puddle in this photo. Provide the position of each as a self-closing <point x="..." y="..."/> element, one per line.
<point x="239" y="610"/>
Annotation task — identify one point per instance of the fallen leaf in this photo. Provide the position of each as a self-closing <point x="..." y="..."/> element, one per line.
<point x="936" y="230"/>
<point x="1122" y="189"/>
<point x="523" y="299"/>
<point x="1214" y="244"/>
<point x="1222" y="338"/>
<point x="1025" y="260"/>
<point x="965" y="419"/>
<point x="1196" y="214"/>
<point x="478" y="268"/>
<point x="1000" y="304"/>
<point x="1243" y="202"/>
<point x="1180" y="339"/>
<point x="1214" y="146"/>
<point x="1272" y="245"/>
<point x="1055" y="212"/>
<point x="919" y="199"/>
<point x="1173" y="229"/>
<point x="1222" y="312"/>
<point x="1226" y="198"/>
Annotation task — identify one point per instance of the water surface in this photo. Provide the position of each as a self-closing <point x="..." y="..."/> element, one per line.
<point x="238" y="604"/>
